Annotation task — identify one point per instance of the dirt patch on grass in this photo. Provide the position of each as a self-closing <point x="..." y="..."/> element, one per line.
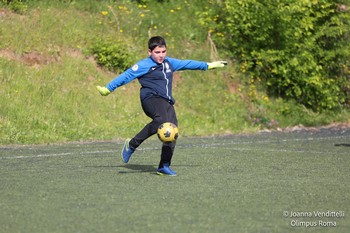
<point x="30" y="58"/>
<point x="4" y="12"/>
<point x="38" y="59"/>
<point x="35" y="58"/>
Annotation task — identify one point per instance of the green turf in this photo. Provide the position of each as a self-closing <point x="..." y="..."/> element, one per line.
<point x="224" y="184"/>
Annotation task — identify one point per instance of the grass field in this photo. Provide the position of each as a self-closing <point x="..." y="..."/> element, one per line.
<point x="240" y="183"/>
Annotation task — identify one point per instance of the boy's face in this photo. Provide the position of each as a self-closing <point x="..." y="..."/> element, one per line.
<point x="158" y="54"/>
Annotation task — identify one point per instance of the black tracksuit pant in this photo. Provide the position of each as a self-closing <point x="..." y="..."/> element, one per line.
<point x="160" y="111"/>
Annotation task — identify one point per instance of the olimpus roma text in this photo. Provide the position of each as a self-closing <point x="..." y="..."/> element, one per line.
<point x="319" y="218"/>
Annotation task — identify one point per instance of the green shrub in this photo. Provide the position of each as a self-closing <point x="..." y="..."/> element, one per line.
<point x="113" y="55"/>
<point x="299" y="49"/>
<point x="18" y="6"/>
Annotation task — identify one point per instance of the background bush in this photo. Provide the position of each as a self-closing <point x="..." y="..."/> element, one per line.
<point x="298" y="49"/>
<point x="112" y="54"/>
<point x="18" y="6"/>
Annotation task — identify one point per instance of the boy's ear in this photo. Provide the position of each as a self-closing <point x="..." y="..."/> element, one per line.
<point x="149" y="52"/>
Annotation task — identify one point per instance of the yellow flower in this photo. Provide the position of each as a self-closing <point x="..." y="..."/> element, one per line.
<point x="142" y="15"/>
<point x="121" y="30"/>
<point x="104" y="13"/>
<point x="172" y="11"/>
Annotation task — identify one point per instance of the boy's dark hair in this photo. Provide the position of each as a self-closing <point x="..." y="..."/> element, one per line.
<point x="155" y="41"/>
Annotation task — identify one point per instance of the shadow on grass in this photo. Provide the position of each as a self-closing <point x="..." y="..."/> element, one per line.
<point x="343" y="144"/>
<point x="132" y="168"/>
<point x="137" y="168"/>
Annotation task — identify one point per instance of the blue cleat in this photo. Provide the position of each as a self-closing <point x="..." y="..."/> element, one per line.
<point x="127" y="151"/>
<point x="166" y="170"/>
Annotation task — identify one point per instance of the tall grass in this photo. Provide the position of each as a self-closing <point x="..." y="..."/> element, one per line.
<point x="51" y="96"/>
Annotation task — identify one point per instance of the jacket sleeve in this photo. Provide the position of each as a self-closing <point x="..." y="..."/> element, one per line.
<point x="178" y="64"/>
<point x="127" y="76"/>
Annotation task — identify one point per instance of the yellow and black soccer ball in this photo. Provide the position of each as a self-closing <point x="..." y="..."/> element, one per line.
<point x="168" y="132"/>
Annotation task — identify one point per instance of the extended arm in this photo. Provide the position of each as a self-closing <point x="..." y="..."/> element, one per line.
<point x="195" y="65"/>
<point x="130" y="74"/>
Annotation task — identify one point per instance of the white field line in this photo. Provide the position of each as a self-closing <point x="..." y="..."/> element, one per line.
<point x="284" y="151"/>
<point x="198" y="145"/>
<point x="56" y="154"/>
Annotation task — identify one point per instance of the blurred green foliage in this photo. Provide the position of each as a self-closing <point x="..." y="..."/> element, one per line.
<point x="298" y="49"/>
<point x="18" y="6"/>
<point x="113" y="55"/>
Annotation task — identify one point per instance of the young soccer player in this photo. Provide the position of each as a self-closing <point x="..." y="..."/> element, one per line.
<point x="155" y="74"/>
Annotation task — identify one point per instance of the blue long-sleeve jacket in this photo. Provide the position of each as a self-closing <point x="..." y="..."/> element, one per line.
<point x="155" y="79"/>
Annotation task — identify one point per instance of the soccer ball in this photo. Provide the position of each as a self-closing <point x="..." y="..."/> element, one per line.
<point x="168" y="132"/>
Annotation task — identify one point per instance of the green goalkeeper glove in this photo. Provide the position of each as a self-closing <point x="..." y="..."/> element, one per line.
<point x="103" y="90"/>
<point x="216" y="64"/>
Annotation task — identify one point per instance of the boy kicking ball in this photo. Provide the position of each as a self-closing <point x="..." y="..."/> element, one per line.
<point x="155" y="74"/>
